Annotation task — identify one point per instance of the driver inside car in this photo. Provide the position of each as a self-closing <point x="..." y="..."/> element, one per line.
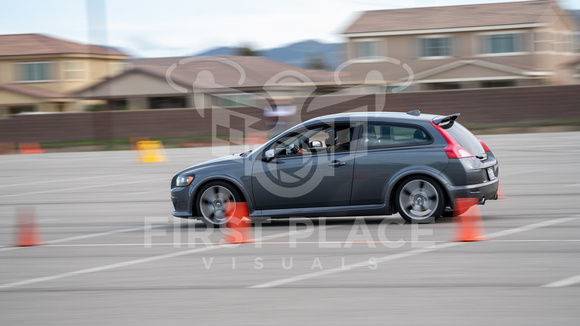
<point x="338" y="141"/>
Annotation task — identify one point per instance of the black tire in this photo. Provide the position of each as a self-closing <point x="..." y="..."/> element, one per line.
<point x="211" y="201"/>
<point x="447" y="213"/>
<point x="420" y="200"/>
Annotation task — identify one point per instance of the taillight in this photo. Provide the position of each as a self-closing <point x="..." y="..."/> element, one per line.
<point x="456" y="151"/>
<point x="484" y="146"/>
<point x="453" y="149"/>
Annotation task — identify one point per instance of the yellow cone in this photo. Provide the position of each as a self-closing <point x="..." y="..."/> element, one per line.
<point x="150" y="152"/>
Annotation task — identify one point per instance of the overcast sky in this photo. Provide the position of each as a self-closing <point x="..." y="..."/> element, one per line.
<point x="157" y="28"/>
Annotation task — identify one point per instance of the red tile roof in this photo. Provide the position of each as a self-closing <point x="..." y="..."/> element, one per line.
<point x="229" y="71"/>
<point x="222" y="72"/>
<point x="30" y="91"/>
<point x="491" y="14"/>
<point x="38" y="44"/>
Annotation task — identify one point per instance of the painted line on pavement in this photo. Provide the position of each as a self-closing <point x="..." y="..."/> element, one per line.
<point x="563" y="283"/>
<point x="143" y="260"/>
<point x="79" y="188"/>
<point x="59" y="180"/>
<point x="336" y="243"/>
<point x="406" y="254"/>
<point x="101" y="268"/>
<point x="87" y="236"/>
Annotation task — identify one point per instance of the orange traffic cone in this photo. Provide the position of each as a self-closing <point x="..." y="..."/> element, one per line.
<point x="467" y="220"/>
<point x="500" y="194"/>
<point x="29" y="148"/>
<point x="27" y="231"/>
<point x="238" y="228"/>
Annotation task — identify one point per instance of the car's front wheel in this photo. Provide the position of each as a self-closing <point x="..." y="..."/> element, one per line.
<point x="212" y="201"/>
<point x="420" y="199"/>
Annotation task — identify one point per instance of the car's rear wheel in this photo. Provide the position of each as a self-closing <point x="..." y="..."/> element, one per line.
<point x="420" y="199"/>
<point x="212" y="201"/>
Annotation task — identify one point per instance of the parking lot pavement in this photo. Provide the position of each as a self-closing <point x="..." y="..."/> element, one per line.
<point x="113" y="255"/>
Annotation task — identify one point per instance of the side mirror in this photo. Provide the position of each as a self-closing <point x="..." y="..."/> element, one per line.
<point x="269" y="155"/>
<point x="315" y="144"/>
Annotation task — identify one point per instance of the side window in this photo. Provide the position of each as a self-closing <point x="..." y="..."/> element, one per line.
<point x="379" y="135"/>
<point x="293" y="143"/>
<point x="339" y="138"/>
<point x="320" y="139"/>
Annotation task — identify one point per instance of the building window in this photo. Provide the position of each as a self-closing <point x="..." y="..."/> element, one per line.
<point x="498" y="83"/>
<point x="35" y="71"/>
<point x="116" y="68"/>
<point x="117" y="104"/>
<point x="435" y="46"/>
<point x="554" y="47"/>
<point x="73" y="70"/>
<point x="178" y="102"/>
<point x="366" y="48"/>
<point x="21" y="109"/>
<point x="543" y="41"/>
<point x="450" y="86"/>
<point x="235" y="100"/>
<point x="443" y="86"/>
<point x="564" y="42"/>
<point x="569" y="43"/>
<point x="558" y="42"/>
<point x="502" y="43"/>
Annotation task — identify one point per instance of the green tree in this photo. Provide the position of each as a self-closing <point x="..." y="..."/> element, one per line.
<point x="246" y="50"/>
<point x="316" y="62"/>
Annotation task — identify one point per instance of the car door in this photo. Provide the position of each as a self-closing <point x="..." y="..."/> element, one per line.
<point x="386" y="149"/>
<point x="312" y="167"/>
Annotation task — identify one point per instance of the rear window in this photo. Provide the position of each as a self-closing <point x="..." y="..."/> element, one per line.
<point x="466" y="139"/>
<point x="388" y="135"/>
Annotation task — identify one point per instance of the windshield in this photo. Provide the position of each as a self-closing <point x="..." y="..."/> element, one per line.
<point x="466" y="139"/>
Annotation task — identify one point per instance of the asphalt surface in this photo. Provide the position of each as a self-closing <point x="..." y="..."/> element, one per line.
<point x="113" y="255"/>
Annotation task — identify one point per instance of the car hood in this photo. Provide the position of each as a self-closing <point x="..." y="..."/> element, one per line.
<point x="226" y="160"/>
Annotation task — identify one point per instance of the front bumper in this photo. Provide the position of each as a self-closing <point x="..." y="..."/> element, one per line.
<point x="181" y="202"/>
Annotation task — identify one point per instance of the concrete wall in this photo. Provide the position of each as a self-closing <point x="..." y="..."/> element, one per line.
<point x="84" y="126"/>
<point x="477" y="106"/>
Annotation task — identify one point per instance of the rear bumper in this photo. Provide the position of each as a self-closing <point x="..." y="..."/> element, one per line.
<point x="481" y="192"/>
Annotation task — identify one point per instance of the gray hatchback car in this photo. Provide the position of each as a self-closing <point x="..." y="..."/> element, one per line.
<point x="352" y="164"/>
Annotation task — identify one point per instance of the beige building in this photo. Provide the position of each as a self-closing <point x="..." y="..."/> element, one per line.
<point x="206" y="82"/>
<point x="38" y="72"/>
<point x="487" y="45"/>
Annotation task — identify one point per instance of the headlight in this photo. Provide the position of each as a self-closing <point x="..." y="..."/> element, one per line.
<point x="183" y="180"/>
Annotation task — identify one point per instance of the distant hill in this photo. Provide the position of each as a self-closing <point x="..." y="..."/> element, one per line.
<point x="223" y="50"/>
<point x="302" y="54"/>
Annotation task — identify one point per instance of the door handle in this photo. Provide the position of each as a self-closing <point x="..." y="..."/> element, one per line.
<point x="337" y="163"/>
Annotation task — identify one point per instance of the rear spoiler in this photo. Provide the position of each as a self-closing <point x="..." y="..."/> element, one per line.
<point x="447" y="121"/>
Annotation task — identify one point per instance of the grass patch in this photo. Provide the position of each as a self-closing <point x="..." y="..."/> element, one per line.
<point x="119" y="144"/>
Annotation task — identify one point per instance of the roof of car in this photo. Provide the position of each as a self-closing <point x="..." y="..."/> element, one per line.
<point x="362" y="116"/>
